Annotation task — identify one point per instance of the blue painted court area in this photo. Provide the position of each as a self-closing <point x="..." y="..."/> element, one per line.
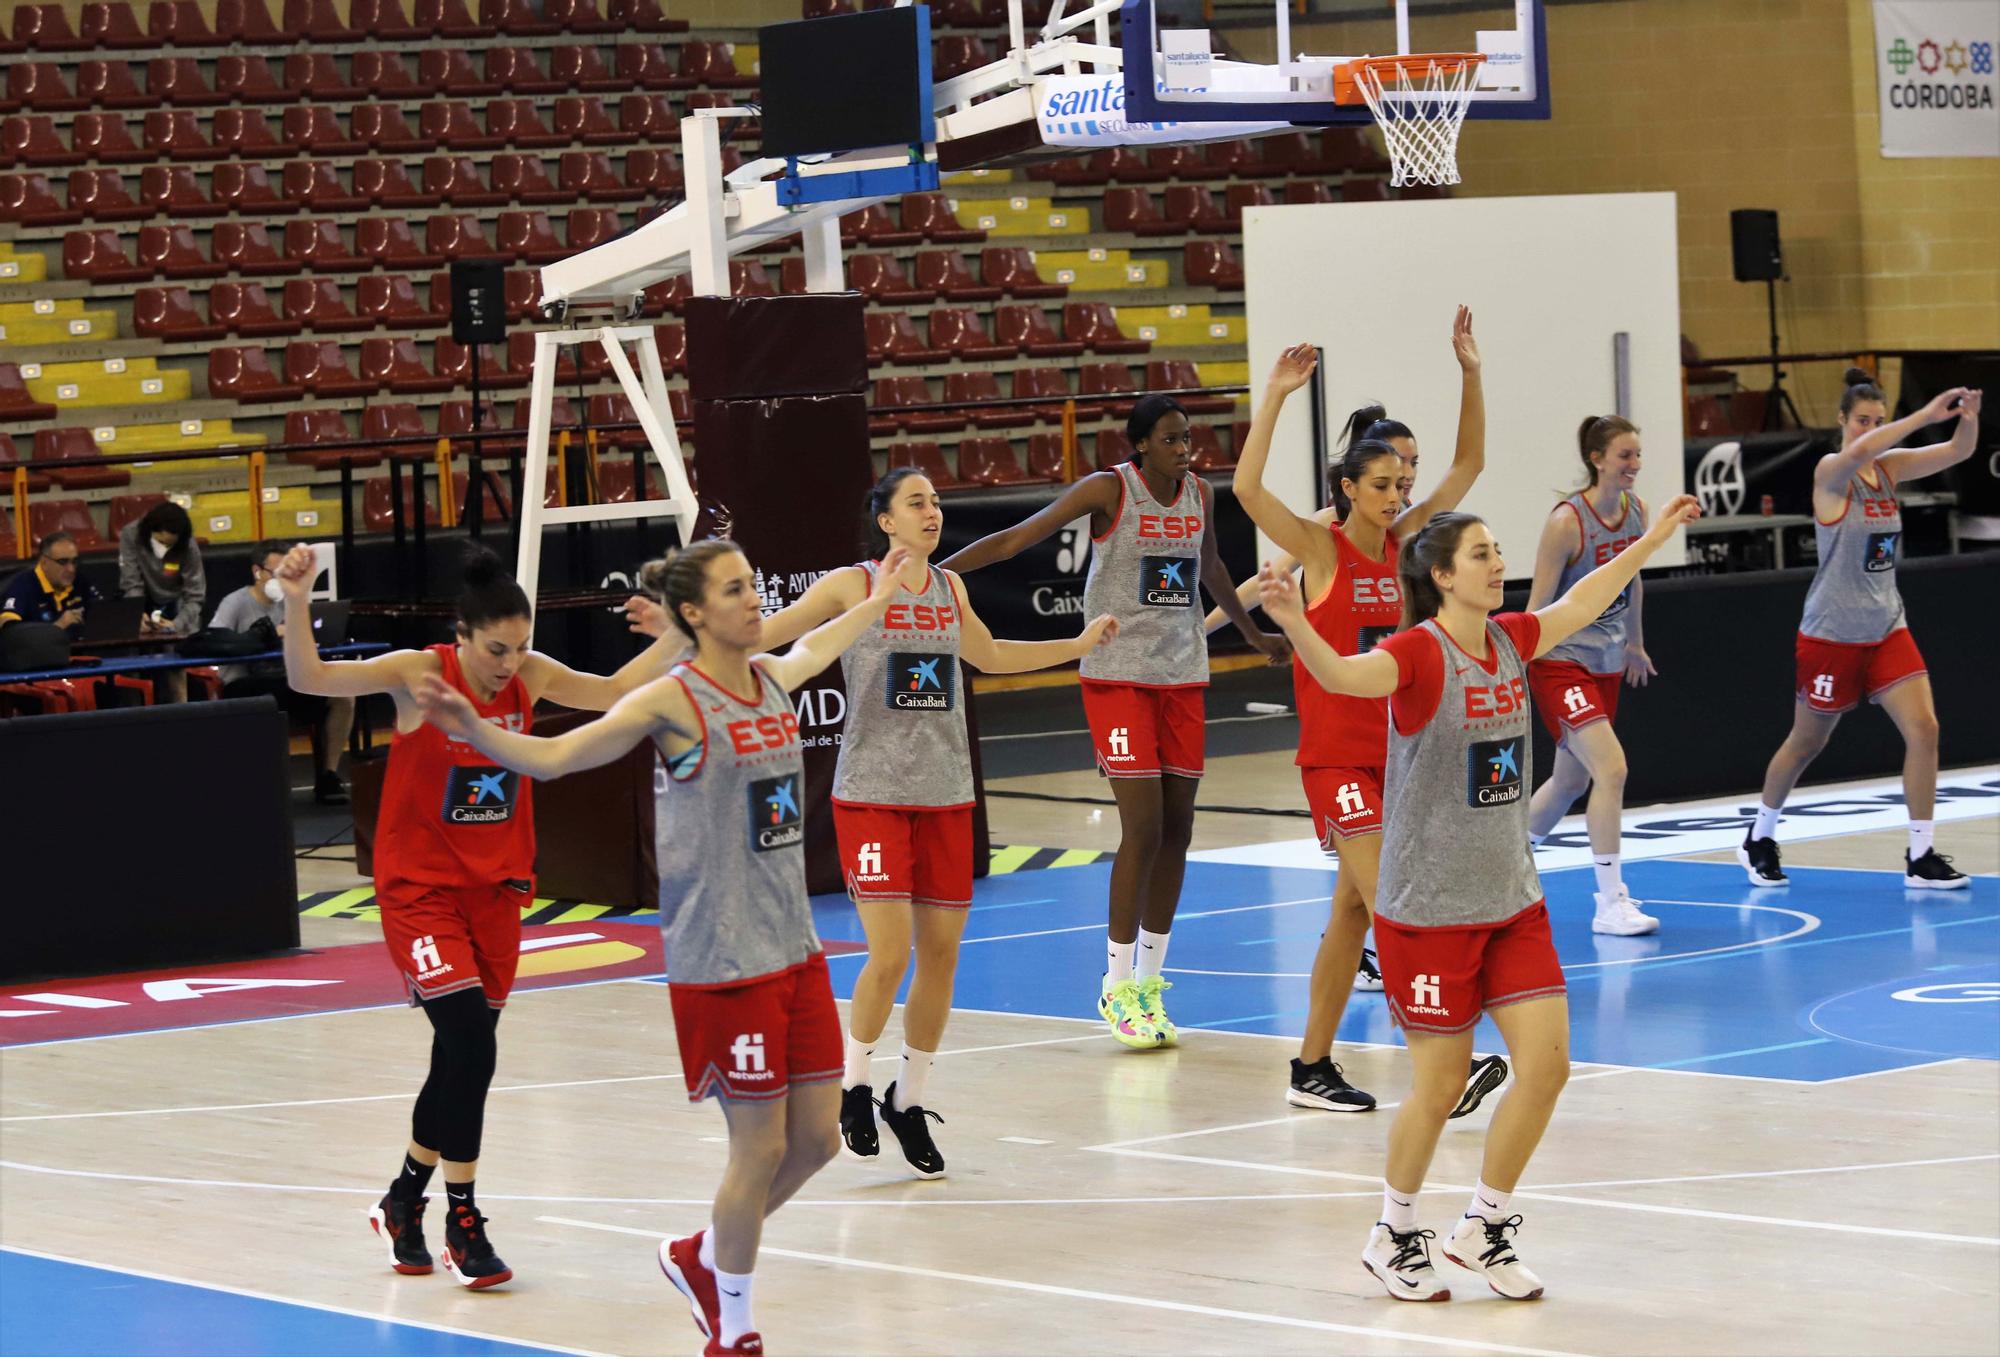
<point x="62" y="1309"/>
<point x="1845" y="973"/>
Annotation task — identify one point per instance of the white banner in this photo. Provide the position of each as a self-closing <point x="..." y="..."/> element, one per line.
<point x="1089" y="111"/>
<point x="1934" y="71"/>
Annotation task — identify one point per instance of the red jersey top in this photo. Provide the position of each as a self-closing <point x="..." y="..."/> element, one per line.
<point x="450" y="816"/>
<point x="1420" y="667"/>
<point x="1361" y="607"/>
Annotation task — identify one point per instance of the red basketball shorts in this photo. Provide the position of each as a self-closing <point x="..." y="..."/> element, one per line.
<point x="1569" y="697"/>
<point x="757" y="1040"/>
<point x="1345" y="802"/>
<point x="1835" y="675"/>
<point x="448" y="938"/>
<point x="1143" y="732"/>
<point x="906" y="853"/>
<point x="1440" y="980"/>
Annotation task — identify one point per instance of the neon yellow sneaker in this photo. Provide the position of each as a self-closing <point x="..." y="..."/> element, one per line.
<point x="1155" y="1012"/>
<point x="1120" y="1007"/>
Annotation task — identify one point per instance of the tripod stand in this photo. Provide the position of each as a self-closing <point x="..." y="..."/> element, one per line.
<point x="1777" y="400"/>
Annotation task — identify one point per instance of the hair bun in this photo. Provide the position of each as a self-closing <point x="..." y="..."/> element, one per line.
<point x="1858" y="377"/>
<point x="481" y="567"/>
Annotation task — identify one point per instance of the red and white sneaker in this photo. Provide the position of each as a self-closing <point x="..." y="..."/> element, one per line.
<point x="680" y="1259"/>
<point x="749" y="1345"/>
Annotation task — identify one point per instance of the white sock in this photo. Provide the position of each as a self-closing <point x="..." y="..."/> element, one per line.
<point x="1399" y="1212"/>
<point x="708" y="1247"/>
<point x="1920" y="840"/>
<point x="1767" y="822"/>
<point x="1488" y="1203"/>
<point x="1152" y="953"/>
<point x="1609" y="878"/>
<point x="1535" y="840"/>
<point x="910" y="1080"/>
<point x="855" y="1072"/>
<point x="733" y="1291"/>
<point x="1117" y="962"/>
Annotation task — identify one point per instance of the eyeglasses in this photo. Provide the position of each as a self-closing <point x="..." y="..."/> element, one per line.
<point x="60" y="560"/>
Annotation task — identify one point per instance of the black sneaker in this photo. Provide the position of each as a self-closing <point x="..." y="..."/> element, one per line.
<point x="1488" y="1073"/>
<point x="1368" y="975"/>
<point x="468" y="1253"/>
<point x="1760" y="859"/>
<point x="914" y="1135"/>
<point x="329" y="790"/>
<point x="1322" y="1085"/>
<point x="400" y="1224"/>
<point x="1933" y="872"/>
<point x="857" y="1122"/>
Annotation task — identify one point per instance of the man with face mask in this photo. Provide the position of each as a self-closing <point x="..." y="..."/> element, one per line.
<point x="258" y="608"/>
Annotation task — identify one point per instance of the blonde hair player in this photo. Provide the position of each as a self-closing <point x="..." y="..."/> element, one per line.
<point x="1460" y="923"/>
<point x="753" y="1010"/>
<point x="1576" y="684"/>
<point x="1854" y="641"/>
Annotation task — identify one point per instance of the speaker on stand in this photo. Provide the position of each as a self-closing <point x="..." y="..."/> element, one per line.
<point x="478" y="318"/>
<point x="1760" y="258"/>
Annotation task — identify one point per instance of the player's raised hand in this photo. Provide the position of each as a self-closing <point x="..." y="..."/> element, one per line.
<point x="296" y="573"/>
<point x="1463" y="345"/>
<point x="444" y="706"/>
<point x="1293" y="369"/>
<point x="1678" y="512"/>
<point x="1278" y="595"/>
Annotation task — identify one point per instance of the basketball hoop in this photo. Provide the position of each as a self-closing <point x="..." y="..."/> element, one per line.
<point x="1420" y="102"/>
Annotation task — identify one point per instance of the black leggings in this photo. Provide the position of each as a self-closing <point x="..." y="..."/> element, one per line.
<point x="451" y="1109"/>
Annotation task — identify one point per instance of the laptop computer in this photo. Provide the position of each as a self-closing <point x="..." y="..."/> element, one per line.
<point x="111" y="619"/>
<point x="330" y="623"/>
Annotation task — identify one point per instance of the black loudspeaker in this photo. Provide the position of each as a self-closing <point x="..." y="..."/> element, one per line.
<point x="1753" y="238"/>
<point x="478" y="301"/>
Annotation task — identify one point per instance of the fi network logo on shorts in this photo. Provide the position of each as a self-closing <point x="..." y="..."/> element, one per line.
<point x="1427" y="996"/>
<point x="479" y="796"/>
<point x="868" y="863"/>
<point x="1120" y="744"/>
<point x="425" y="960"/>
<point x="748" y="1053"/>
<point x="1166" y="581"/>
<point x="920" y="682"/>
<point x="1493" y="772"/>
<point x="776" y="820"/>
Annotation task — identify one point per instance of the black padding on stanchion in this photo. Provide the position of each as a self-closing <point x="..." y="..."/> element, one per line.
<point x="741" y="347"/>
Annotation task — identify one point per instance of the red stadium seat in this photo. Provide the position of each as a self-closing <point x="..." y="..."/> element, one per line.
<point x="177" y="135"/>
<point x="245" y="134"/>
<point x="1012" y="268"/>
<point x="9" y="459"/>
<point x="1212" y="263"/>
<point x="581" y="68"/>
<point x="521" y="357"/>
<point x="316" y="244"/>
<point x="584" y="120"/>
<point x="248" y="80"/>
<point x="393" y="365"/>
<point x="171" y="252"/>
<point x="107" y="139"/>
<point x="317" y="129"/>
<point x="517" y="17"/>
<point x="1096" y="324"/>
<point x="647" y="118"/>
<point x="178" y="23"/>
<point x="321" y="368"/>
<point x="1103" y="379"/>
<point x="1178" y="374"/>
<point x="1233" y="160"/>
<point x="1027" y="328"/>
<point x="642" y="16"/>
<point x="518" y="71"/>
<point x="30" y="200"/>
<point x="245" y="309"/>
<point x="313" y="75"/>
<point x="454" y="360"/>
<point x="670" y="295"/>
<point x="455" y="236"/>
<point x="314" y="186"/>
<point x="591" y="226"/>
<point x="112" y="25"/>
<point x="893" y="338"/>
<point x="1177" y="162"/>
<point x="456" y="180"/>
<point x="389" y="242"/>
<point x="1208" y="453"/>
<point x="655" y="171"/>
<point x="53" y="447"/>
<point x="991" y="461"/>
<point x="961" y="330"/>
<point x="317" y="21"/>
<point x="713" y="64"/>
<point x="1133" y="210"/>
<point x="101" y="195"/>
<point x="524" y="179"/>
<point x="245" y="375"/>
<point x="169" y="315"/>
<point x="328" y="429"/>
<point x="589" y="178"/>
<point x="748" y="278"/>
<point x="173" y="191"/>
<point x="319" y="305"/>
<point x="1354" y="189"/>
<point x="33" y="140"/>
<point x="244" y="187"/>
<point x="1045" y="456"/>
<point x="450" y="19"/>
<point x="931" y="214"/>
<point x="100" y="257"/>
<point x="391" y="301"/>
<point x="66" y="515"/>
<point x="945" y="274"/>
<point x="529" y="237"/>
<point x="1113" y="449"/>
<point x="249" y="22"/>
<point x="384" y="128"/>
<point x="384" y="75"/>
<point x="1049" y="383"/>
<point x="398" y="421"/>
<point x="983" y="389"/>
<point x="455" y="419"/>
<point x="644" y="66"/>
<point x="520" y="124"/>
<point x="1299" y="191"/>
<point x="39" y="87"/>
<point x="1193" y="206"/>
<point x="524" y="293"/>
<point x="45" y="28"/>
<point x="580" y="16"/>
<point x="671" y="341"/>
<point x="958" y="53"/>
<point x="449" y="70"/>
<point x="15" y="402"/>
<point x="1239" y="197"/>
<point x="881" y="277"/>
<point x="379" y="510"/>
<point x="246" y="247"/>
<point x="927" y="458"/>
<point x="169" y="80"/>
<point x="387" y="20"/>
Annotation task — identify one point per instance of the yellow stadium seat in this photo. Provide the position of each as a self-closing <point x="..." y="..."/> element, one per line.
<point x="188" y="435"/>
<point x="1100" y="270"/>
<point x="1181" y="325"/>
<point x="1021" y="216"/>
<point x="25" y="323"/>
<point x="109" y="381"/>
<point x="224" y="515"/>
<point x="960" y="177"/>
<point x="22" y="268"/>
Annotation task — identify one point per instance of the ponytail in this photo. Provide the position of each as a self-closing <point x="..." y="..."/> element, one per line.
<point x="1431" y="549"/>
<point x="681" y="576"/>
<point x="1370" y="423"/>
<point x="1595" y="435"/>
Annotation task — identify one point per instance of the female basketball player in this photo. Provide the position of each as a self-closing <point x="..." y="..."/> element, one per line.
<point x="1459" y="919"/>
<point x="1152" y="554"/>
<point x="1576" y="686"/>
<point x="1853" y="641"/>
<point x="454" y="865"/>
<point x="753" y="1011"/>
<point x="1349" y="571"/>
<point x="902" y="794"/>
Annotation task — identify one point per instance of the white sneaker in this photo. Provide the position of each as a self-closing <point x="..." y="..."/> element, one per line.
<point x="1368" y="975"/>
<point x="1481" y="1246"/>
<point x="1402" y="1263"/>
<point x="1618" y="914"/>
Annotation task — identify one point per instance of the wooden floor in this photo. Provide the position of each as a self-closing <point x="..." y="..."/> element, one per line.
<point x="1098" y="1199"/>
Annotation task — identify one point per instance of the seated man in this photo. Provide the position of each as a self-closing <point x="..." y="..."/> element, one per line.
<point x="258" y="608"/>
<point x="50" y="590"/>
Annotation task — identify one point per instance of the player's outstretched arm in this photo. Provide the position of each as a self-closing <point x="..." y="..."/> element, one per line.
<point x="1590" y="596"/>
<point x="661" y="707"/>
<point x="824" y="644"/>
<point x="1370" y="675"/>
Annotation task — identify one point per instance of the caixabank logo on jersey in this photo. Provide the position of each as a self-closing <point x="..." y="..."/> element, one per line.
<point x="1493" y="773"/>
<point x="1881" y="552"/>
<point x="920" y="682"/>
<point x="1368" y="638"/>
<point x="776" y="819"/>
<point x="1167" y="581"/>
<point x="480" y="796"/>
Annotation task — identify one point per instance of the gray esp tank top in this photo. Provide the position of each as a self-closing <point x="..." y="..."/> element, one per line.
<point x="1599" y="646"/>
<point x="904" y="743"/>
<point x="1455" y="797"/>
<point x="729" y="838"/>
<point x="1853" y="597"/>
<point x="1145" y="572"/>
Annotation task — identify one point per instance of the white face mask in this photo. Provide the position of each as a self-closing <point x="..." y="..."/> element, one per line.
<point x="274" y="591"/>
<point x="159" y="549"/>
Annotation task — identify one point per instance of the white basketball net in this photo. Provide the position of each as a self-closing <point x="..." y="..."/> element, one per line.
<point x="1420" y="111"/>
